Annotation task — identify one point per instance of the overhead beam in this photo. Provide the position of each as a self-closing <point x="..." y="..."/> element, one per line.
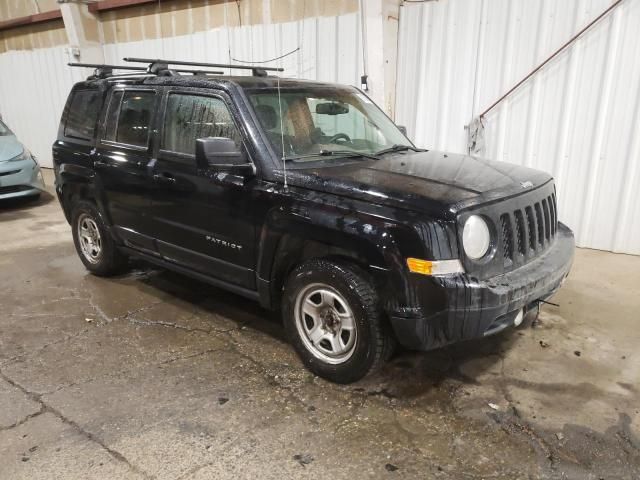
<point x="105" y="5"/>
<point x="34" y="19"/>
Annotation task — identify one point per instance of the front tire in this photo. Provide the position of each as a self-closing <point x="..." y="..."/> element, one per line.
<point x="333" y="318"/>
<point x="93" y="242"/>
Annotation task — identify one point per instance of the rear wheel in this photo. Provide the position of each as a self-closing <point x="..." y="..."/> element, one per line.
<point x="94" y="244"/>
<point x="333" y="318"/>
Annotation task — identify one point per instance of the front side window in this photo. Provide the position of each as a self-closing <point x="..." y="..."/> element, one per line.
<point x="129" y="117"/>
<point x="316" y="120"/>
<point x="83" y="114"/>
<point x="189" y="117"/>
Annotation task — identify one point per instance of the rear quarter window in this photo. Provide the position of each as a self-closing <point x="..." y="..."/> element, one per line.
<point x="82" y="114"/>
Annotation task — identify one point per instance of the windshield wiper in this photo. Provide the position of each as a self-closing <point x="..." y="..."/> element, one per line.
<point x="399" y="148"/>
<point x="331" y="153"/>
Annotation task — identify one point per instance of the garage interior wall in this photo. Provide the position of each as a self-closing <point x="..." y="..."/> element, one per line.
<point x="578" y="118"/>
<point x="35" y="80"/>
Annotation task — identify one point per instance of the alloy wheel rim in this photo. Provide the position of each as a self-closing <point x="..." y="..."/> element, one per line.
<point x="90" y="239"/>
<point x="325" y="323"/>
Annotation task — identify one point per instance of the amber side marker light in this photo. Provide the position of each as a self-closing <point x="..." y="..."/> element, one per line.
<point x="434" y="267"/>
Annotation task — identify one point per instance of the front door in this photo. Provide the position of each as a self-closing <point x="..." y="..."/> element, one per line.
<point x="201" y="220"/>
<point x="121" y="160"/>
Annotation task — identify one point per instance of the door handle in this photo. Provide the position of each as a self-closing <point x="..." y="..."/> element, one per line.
<point x="164" y="178"/>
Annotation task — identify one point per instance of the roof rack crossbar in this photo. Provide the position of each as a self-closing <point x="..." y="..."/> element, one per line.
<point x="103" y="70"/>
<point x="162" y="67"/>
<point x="106" y="66"/>
<point x="258" y="71"/>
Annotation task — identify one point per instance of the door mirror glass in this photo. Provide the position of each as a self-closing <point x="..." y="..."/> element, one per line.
<point x="221" y="154"/>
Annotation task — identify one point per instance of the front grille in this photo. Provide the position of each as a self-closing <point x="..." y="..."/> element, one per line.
<point x="531" y="236"/>
<point x="523" y="227"/>
<point x="14" y="189"/>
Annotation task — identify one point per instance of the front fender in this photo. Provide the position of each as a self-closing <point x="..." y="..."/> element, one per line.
<point x="292" y="234"/>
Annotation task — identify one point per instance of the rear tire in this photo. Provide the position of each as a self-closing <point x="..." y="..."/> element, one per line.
<point x="333" y="318"/>
<point x="93" y="242"/>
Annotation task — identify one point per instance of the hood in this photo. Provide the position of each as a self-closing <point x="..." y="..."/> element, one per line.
<point x="9" y="147"/>
<point x="426" y="181"/>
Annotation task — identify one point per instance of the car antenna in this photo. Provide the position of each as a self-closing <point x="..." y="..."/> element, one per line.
<point x="284" y="163"/>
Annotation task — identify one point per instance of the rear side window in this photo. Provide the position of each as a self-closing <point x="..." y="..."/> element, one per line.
<point x="83" y="114"/>
<point x="129" y="117"/>
<point x="189" y="117"/>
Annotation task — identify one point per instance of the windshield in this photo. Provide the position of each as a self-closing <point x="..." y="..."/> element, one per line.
<point x="318" y="121"/>
<point x="4" y="130"/>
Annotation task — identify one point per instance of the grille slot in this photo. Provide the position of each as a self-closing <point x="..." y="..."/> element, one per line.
<point x="531" y="224"/>
<point x="520" y="229"/>
<point x="14" y="189"/>
<point x="539" y="223"/>
<point x="507" y="238"/>
<point x="554" y="214"/>
<point x="547" y="221"/>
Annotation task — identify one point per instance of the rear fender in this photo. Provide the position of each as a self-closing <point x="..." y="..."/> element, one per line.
<point x="76" y="182"/>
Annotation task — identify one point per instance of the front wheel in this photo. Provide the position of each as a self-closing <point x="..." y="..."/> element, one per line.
<point x="333" y="318"/>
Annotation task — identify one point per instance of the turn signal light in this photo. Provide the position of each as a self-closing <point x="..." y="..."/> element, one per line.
<point x="434" y="267"/>
<point x="419" y="266"/>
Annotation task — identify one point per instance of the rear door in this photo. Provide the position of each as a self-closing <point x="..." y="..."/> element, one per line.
<point x="121" y="159"/>
<point x="202" y="220"/>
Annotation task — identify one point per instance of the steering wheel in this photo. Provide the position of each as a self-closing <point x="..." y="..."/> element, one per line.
<point x="340" y="136"/>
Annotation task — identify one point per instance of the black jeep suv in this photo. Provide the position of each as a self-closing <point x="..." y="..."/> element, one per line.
<point x="306" y="197"/>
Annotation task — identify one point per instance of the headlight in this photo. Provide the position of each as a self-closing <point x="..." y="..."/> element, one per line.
<point x="476" y="238"/>
<point x="25" y="155"/>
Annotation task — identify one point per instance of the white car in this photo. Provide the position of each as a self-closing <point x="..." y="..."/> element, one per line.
<point x="19" y="171"/>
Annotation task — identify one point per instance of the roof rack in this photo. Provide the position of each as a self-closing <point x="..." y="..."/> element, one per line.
<point x="106" y="71"/>
<point x="164" y="64"/>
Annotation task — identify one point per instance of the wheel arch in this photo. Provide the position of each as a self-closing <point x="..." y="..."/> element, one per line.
<point x="75" y="183"/>
<point x="285" y="246"/>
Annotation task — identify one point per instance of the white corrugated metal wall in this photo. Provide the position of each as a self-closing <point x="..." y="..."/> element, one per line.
<point x="578" y="118"/>
<point x="330" y="47"/>
<point x="34" y="84"/>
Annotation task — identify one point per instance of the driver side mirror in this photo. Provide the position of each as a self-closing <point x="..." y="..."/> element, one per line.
<point x="220" y="154"/>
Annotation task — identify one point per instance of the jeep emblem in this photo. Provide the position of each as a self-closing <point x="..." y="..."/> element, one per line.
<point x="526" y="184"/>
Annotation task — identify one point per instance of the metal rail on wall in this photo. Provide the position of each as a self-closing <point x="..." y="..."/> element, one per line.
<point x="477" y="125"/>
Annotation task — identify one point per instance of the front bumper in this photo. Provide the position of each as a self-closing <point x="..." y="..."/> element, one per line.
<point x="476" y="308"/>
<point x="20" y="179"/>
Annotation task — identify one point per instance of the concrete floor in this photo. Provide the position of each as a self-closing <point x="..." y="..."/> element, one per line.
<point x="153" y="375"/>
